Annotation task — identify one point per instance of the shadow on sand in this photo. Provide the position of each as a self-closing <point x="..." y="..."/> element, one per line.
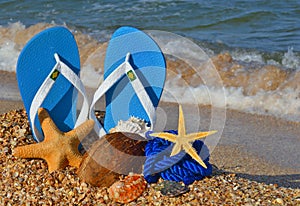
<point x="287" y="181"/>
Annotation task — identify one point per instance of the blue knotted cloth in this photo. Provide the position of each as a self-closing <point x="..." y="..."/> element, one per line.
<point x="180" y="167"/>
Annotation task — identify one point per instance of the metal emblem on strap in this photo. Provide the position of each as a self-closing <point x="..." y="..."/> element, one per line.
<point x="54" y="75"/>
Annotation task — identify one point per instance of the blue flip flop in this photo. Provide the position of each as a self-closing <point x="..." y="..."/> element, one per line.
<point x="47" y="74"/>
<point x="134" y="77"/>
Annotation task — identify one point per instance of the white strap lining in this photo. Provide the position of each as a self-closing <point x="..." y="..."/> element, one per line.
<point x="45" y="89"/>
<point x="137" y="85"/>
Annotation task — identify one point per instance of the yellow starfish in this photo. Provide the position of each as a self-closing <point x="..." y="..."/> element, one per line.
<point x="58" y="149"/>
<point x="182" y="140"/>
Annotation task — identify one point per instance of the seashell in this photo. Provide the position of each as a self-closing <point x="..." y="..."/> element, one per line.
<point x="112" y="155"/>
<point x="128" y="189"/>
<point x="132" y="125"/>
<point x="172" y="188"/>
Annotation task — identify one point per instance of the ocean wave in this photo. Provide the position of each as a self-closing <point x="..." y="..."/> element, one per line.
<point x="251" y="81"/>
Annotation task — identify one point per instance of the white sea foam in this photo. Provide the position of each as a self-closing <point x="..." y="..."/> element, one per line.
<point x="282" y="102"/>
<point x="290" y="60"/>
<point x="247" y="56"/>
<point x="8" y="56"/>
<point x="90" y="77"/>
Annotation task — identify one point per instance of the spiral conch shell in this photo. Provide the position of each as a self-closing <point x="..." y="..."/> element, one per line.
<point x="132" y="125"/>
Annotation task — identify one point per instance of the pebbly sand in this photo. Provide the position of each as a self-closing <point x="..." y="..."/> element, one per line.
<point x="255" y="162"/>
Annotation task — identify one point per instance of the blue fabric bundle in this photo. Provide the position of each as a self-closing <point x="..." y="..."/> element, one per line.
<point x="180" y="167"/>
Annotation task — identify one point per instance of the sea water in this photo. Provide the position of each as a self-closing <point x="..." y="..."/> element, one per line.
<point x="261" y="74"/>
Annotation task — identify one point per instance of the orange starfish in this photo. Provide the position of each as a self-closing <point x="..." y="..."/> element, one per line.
<point x="182" y="140"/>
<point x="58" y="149"/>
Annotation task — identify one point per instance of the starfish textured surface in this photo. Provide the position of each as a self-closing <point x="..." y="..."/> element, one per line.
<point x="58" y="149"/>
<point x="183" y="140"/>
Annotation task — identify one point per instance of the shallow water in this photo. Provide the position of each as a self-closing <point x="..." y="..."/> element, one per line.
<point x="265" y="25"/>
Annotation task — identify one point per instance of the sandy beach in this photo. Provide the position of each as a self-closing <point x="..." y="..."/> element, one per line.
<point x="252" y="150"/>
<point x="247" y="157"/>
<point x="262" y="150"/>
<point x="231" y="56"/>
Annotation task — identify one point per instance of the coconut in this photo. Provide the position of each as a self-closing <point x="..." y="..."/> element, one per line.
<point x="113" y="155"/>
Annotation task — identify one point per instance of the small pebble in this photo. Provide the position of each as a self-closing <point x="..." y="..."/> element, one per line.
<point x="171" y="188"/>
<point x="279" y="201"/>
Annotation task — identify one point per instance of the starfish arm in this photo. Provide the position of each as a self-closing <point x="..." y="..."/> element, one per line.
<point x="82" y="130"/>
<point x="48" y="126"/>
<point x="165" y="135"/>
<point x="31" y="151"/>
<point x="176" y="149"/>
<point x="192" y="152"/>
<point x="73" y="156"/>
<point x="198" y="135"/>
<point x="75" y="159"/>
<point x="58" y="149"/>
<point x="56" y="161"/>
<point x="181" y="123"/>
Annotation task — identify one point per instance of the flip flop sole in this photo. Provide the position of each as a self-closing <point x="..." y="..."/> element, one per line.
<point x="36" y="61"/>
<point x="149" y="64"/>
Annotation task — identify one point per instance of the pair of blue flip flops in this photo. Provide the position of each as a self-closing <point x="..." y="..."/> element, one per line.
<point x="48" y="76"/>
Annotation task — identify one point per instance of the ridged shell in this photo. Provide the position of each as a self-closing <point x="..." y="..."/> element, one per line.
<point x="132" y="125"/>
<point x="128" y="189"/>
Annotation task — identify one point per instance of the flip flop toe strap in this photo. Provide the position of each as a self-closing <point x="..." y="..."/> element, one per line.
<point x="59" y="68"/>
<point x="115" y="76"/>
<point x="140" y="91"/>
